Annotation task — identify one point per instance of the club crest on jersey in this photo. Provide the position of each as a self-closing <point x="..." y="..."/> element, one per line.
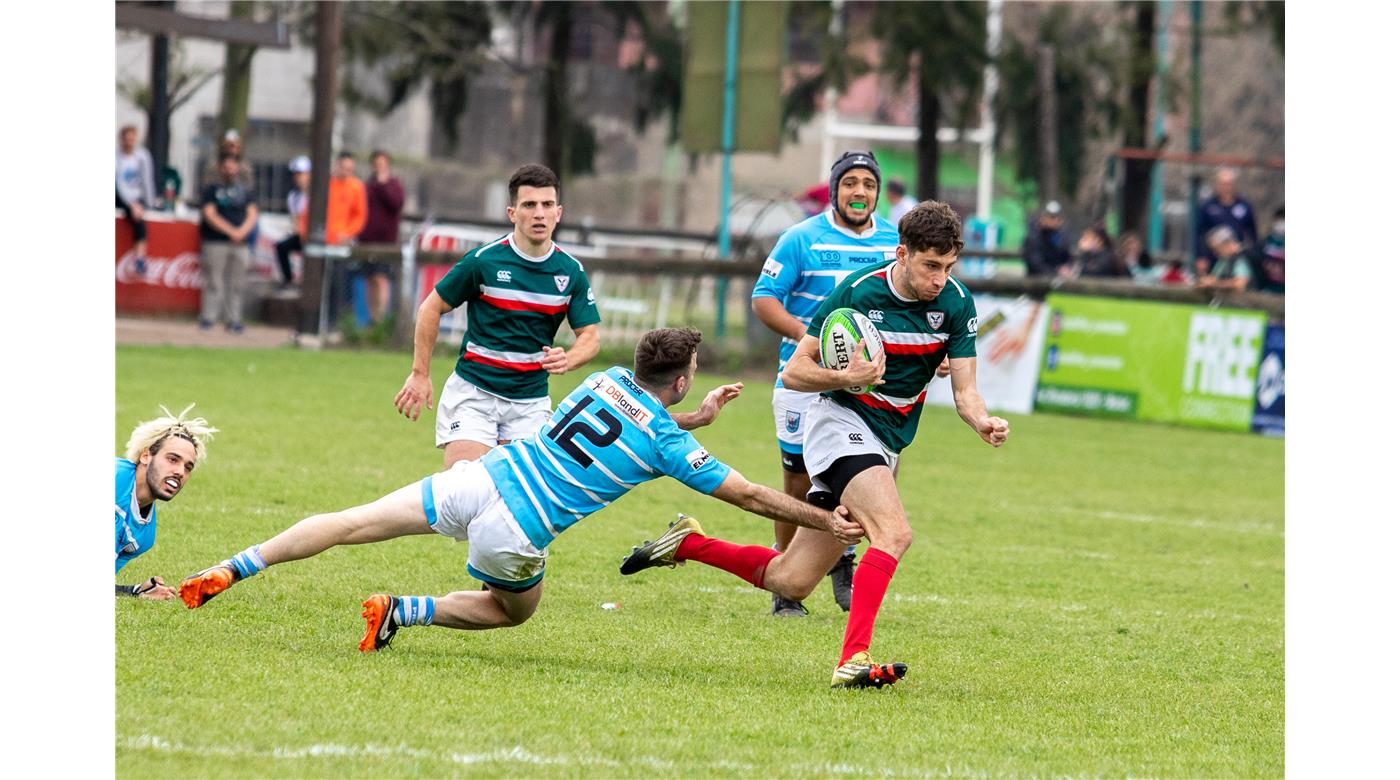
<point x="562" y="282"/>
<point x="935" y="319"/>
<point x="793" y="421"/>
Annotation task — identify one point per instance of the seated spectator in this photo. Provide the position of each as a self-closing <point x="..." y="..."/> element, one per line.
<point x="297" y="200"/>
<point x="1133" y="256"/>
<point x="1235" y="268"/>
<point x="136" y="188"/>
<point x="1094" y="256"/>
<point x="1044" y="251"/>
<point x="1271" y="273"/>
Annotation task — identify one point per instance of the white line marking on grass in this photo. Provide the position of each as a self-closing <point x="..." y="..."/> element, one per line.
<point x="1245" y="526"/>
<point x="519" y="755"/>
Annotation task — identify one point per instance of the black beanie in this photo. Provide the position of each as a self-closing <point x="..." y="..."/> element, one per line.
<point x="847" y="161"/>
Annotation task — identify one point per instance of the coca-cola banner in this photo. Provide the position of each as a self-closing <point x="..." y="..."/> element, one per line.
<point x="169" y="281"/>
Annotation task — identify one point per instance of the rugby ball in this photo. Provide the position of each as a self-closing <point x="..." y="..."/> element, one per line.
<point x="841" y="331"/>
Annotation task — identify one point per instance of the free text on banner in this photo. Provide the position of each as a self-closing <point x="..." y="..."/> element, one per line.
<point x="1193" y="365"/>
<point x="1009" y="341"/>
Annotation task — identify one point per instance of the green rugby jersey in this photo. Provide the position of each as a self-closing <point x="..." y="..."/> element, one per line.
<point x="917" y="336"/>
<point x="517" y="304"/>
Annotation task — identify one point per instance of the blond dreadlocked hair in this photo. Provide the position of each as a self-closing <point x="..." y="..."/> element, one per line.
<point x="149" y="435"/>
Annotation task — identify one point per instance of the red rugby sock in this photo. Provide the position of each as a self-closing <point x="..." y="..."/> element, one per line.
<point x="747" y="562"/>
<point x="868" y="586"/>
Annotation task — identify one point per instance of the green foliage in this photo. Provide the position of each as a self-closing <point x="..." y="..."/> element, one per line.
<point x="811" y="20"/>
<point x="1094" y="599"/>
<point x="949" y="61"/>
<point x="405" y="45"/>
<point x="1244" y="15"/>
<point x="1087" y="104"/>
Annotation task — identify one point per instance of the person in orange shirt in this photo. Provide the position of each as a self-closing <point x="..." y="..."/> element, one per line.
<point x="346" y="206"/>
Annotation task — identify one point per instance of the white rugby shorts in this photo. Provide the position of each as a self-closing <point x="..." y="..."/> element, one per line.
<point x="789" y="409"/>
<point x="466" y="412"/>
<point x="832" y="432"/>
<point x="464" y="504"/>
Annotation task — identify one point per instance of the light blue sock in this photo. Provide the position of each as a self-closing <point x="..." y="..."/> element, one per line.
<point x="415" y="611"/>
<point x="247" y="563"/>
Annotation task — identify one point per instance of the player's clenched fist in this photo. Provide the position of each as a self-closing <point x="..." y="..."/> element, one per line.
<point x="993" y="430"/>
<point x="555" y="360"/>
<point x="417" y="394"/>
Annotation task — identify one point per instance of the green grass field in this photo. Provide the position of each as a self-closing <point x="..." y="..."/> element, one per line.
<point x="1094" y="599"/>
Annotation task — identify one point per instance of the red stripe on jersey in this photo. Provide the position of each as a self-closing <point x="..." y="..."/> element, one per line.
<point x="892" y="348"/>
<point x="880" y="403"/>
<point x="506" y="303"/>
<point x="498" y="363"/>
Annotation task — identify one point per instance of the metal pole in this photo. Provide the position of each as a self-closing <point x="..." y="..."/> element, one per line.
<point x="829" y="97"/>
<point x="1049" y="154"/>
<point x="1193" y="197"/>
<point x="158" y="121"/>
<point x="1159" y="132"/>
<point x="731" y="73"/>
<point x="328" y="20"/>
<point x="986" y="154"/>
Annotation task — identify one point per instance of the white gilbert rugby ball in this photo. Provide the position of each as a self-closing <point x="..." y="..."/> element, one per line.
<point x="840" y="332"/>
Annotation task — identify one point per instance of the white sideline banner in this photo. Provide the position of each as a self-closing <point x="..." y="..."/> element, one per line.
<point x="1010" y="340"/>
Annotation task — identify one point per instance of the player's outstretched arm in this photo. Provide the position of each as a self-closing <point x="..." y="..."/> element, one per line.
<point x="417" y="391"/>
<point x="709" y="408"/>
<point x="805" y="373"/>
<point x="971" y="407"/>
<point x="765" y="501"/>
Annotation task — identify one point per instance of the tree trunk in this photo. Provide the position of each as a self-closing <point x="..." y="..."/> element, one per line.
<point x="556" y="88"/>
<point x="1049" y="127"/>
<point x="1137" y="174"/>
<point x="926" y="150"/>
<point x="238" y="76"/>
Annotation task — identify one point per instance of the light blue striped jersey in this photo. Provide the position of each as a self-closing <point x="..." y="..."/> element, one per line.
<point x="814" y="256"/>
<point x="607" y="437"/>
<point x="135" y="534"/>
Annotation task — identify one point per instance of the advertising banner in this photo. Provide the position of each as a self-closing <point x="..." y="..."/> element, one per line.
<point x="1268" y="397"/>
<point x="453" y="323"/>
<point x="1152" y="361"/>
<point x="1010" y="340"/>
<point x="169" y="283"/>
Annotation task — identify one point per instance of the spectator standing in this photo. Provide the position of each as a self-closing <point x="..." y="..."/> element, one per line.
<point x="231" y="143"/>
<point x="1235" y="268"/>
<point x="900" y="201"/>
<point x="1272" y="261"/>
<point x="1224" y="207"/>
<point x="229" y="216"/>
<point x="346" y="208"/>
<point x="136" y="187"/>
<point x="297" y="201"/>
<point x="1095" y="256"/>
<point x="384" y="193"/>
<point x="1044" y="250"/>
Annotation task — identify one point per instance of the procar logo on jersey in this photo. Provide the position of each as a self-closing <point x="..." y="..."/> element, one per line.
<point x="503" y="276"/>
<point x="935" y="319"/>
<point x="697" y="458"/>
<point x="624" y="402"/>
<point x="772" y="268"/>
<point x="562" y="282"/>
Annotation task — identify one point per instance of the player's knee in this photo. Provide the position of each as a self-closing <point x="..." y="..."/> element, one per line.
<point x="894" y="541"/>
